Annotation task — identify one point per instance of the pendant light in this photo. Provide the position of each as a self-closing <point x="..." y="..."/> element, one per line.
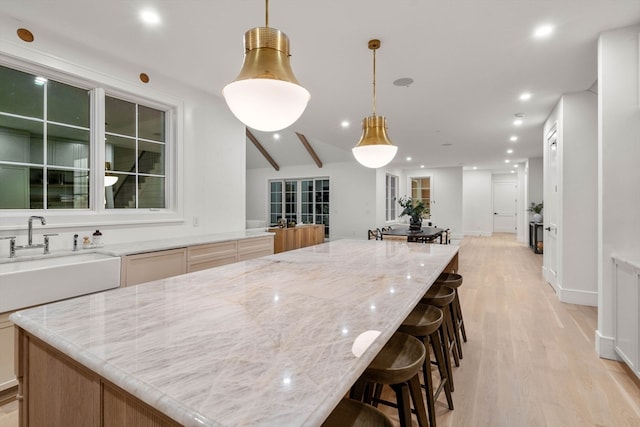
<point x="266" y="95"/>
<point x="374" y="149"/>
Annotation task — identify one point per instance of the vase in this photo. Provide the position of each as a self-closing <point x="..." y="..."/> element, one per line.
<point x="415" y="223"/>
<point x="537" y="217"/>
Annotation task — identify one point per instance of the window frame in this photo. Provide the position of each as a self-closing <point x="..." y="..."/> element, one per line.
<point x="100" y="85"/>
<point x="391" y="199"/>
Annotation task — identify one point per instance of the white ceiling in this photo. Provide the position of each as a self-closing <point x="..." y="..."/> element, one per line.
<point x="470" y="60"/>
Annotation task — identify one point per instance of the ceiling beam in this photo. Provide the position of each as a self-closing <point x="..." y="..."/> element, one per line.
<point x="309" y="148"/>
<point x="262" y="150"/>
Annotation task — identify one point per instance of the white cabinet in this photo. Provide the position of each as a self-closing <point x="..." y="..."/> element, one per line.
<point x="626" y="280"/>
<point x="7" y="345"/>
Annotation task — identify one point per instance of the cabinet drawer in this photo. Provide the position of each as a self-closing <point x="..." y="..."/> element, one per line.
<point x="150" y="266"/>
<point x="254" y="248"/>
<point x="212" y="255"/>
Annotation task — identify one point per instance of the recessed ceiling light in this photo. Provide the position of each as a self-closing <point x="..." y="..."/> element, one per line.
<point x="421" y="166"/>
<point x="513" y="138"/>
<point x="276" y="136"/>
<point x="408" y="159"/>
<point x="509" y="151"/>
<point x="507" y="161"/>
<point x="525" y="96"/>
<point x="515" y="166"/>
<point x="344" y="124"/>
<point x="149" y="17"/>
<point x="517" y="122"/>
<point x="475" y="168"/>
<point x="40" y="81"/>
<point x="513" y="171"/>
<point x="543" y="31"/>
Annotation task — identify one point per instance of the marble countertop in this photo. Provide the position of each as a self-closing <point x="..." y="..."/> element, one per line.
<point x="137" y="247"/>
<point x="271" y="341"/>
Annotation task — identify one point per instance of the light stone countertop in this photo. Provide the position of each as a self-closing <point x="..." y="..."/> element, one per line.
<point x="632" y="260"/>
<point x="137" y="247"/>
<point x="269" y="341"/>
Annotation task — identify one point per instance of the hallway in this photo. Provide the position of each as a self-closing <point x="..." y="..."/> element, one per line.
<point x="530" y="359"/>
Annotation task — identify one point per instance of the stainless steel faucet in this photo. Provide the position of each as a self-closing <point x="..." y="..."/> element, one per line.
<point x="30" y="245"/>
<point x="31" y="218"/>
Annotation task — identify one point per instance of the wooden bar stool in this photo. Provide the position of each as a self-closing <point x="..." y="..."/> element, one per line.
<point x="424" y="322"/>
<point x="442" y="297"/>
<point x="454" y="281"/>
<point x="350" y="413"/>
<point x="398" y="365"/>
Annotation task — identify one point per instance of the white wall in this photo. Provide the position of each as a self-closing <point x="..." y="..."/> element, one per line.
<point x="578" y="281"/>
<point x="211" y="147"/>
<point x="618" y="171"/>
<point x="352" y="195"/>
<point x="477" y="203"/>
<point x="446" y="196"/>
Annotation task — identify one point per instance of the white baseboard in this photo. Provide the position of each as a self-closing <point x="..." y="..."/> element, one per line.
<point x="605" y="347"/>
<point x="574" y="296"/>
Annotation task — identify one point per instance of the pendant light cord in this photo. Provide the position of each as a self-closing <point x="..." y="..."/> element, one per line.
<point x="374" y="82"/>
<point x="266" y="13"/>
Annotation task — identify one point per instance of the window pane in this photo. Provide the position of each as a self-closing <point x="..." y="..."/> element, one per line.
<point x="14" y="187"/>
<point x="21" y="140"/>
<point x="67" y="189"/>
<point x="150" y="192"/>
<point x="36" y="188"/>
<point x="151" y="158"/>
<point x="67" y="104"/>
<point x="120" y="116"/>
<point x="151" y="124"/>
<point x="19" y="93"/>
<point x="124" y="192"/>
<point x="67" y="146"/>
<point x="121" y="152"/>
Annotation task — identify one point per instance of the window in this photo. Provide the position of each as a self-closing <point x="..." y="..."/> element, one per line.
<point x="391" y="197"/>
<point x="134" y="154"/>
<point x="300" y="200"/>
<point x="44" y="143"/>
<point x="48" y="147"/>
<point x="421" y="190"/>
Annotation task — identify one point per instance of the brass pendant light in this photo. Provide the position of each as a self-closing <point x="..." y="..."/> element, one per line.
<point x="266" y="95"/>
<point x="374" y="149"/>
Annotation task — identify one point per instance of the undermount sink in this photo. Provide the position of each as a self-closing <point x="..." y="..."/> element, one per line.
<point x="29" y="282"/>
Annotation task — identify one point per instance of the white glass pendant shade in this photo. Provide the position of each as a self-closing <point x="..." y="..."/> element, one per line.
<point x="266" y="95"/>
<point x="374" y="149"/>
<point x="110" y="180"/>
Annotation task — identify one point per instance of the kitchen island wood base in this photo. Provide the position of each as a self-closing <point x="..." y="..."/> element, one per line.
<point x="56" y="390"/>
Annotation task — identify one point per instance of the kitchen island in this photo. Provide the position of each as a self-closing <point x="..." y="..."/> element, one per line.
<point x="276" y="340"/>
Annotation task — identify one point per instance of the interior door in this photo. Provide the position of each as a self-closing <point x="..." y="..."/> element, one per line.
<point x="551" y="208"/>
<point x="505" y="201"/>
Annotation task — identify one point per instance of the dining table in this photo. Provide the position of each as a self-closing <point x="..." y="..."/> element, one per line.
<point x="424" y="234"/>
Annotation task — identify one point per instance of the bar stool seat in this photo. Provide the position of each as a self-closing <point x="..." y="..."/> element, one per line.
<point x="398" y="365"/>
<point x="424" y="322"/>
<point x="442" y="297"/>
<point x="454" y="281"/>
<point x="350" y="413"/>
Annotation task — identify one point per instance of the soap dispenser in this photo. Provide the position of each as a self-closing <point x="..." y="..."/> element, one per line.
<point x="97" y="238"/>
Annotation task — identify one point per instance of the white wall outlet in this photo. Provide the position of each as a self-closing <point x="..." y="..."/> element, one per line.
<point x="196" y="221"/>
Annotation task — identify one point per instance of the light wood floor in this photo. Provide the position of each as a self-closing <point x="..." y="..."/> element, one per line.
<point x="530" y="360"/>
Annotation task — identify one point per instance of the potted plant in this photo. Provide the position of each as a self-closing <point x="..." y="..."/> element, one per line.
<point x="416" y="209"/>
<point x="537" y="211"/>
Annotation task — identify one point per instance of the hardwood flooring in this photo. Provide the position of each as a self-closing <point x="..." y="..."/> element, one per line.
<point x="530" y="359"/>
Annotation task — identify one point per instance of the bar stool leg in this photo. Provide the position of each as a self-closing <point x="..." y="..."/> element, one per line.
<point x="444" y="339"/>
<point x="451" y="336"/>
<point x="416" y="395"/>
<point x="442" y="368"/>
<point x="460" y="319"/>
<point x="455" y="328"/>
